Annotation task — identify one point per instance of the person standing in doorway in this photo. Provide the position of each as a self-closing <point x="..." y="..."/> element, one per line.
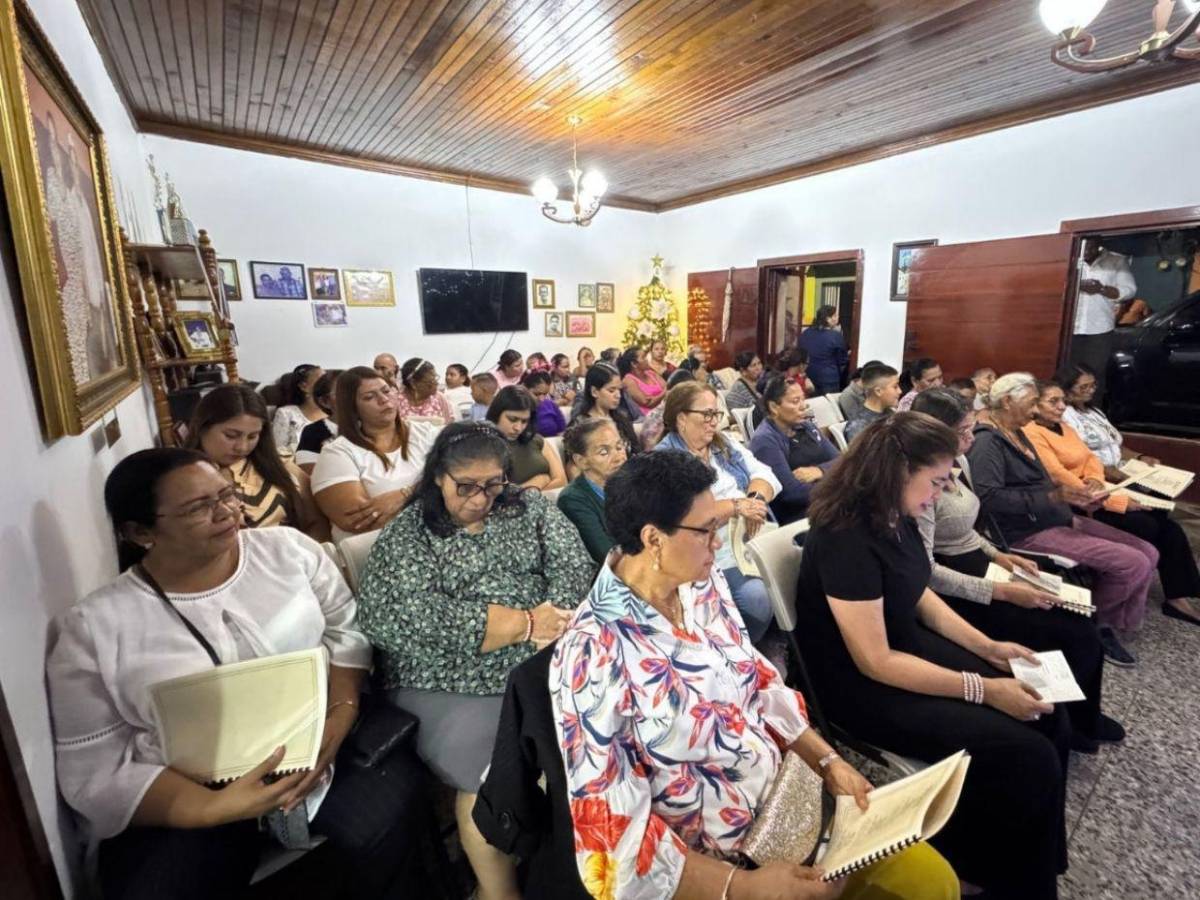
<point x="1105" y="282"/>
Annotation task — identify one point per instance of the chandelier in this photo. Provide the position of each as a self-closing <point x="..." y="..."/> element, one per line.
<point x="586" y="189"/>
<point x="1069" y="18"/>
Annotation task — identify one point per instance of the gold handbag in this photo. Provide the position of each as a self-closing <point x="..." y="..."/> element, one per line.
<point x="792" y="819"/>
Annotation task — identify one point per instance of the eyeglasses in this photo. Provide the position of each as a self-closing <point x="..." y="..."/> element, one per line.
<point x="709" y="416"/>
<point x="468" y="489"/>
<point x="206" y="509"/>
<point x="604" y="451"/>
<point x="710" y="532"/>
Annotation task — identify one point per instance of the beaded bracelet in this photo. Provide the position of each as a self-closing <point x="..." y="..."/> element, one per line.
<point x="528" y="627"/>
<point x="972" y="687"/>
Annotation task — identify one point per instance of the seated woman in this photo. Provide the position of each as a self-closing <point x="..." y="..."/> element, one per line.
<point x="458" y="387"/>
<point x="658" y="359"/>
<point x="565" y="385"/>
<point x="509" y="368"/>
<point x="1026" y="511"/>
<point x="471" y="579"/>
<point x="601" y="399"/>
<point x="792" y="446"/>
<point x="697" y="363"/>
<point x="596" y="449"/>
<point x="365" y="475"/>
<point x="642" y="384"/>
<point x="548" y="420"/>
<point x="894" y="665"/>
<point x="1071" y="464"/>
<point x="745" y="390"/>
<point x="827" y="356"/>
<point x="647" y="664"/>
<point x="319" y="433"/>
<point x="792" y="364"/>
<point x="1012" y="610"/>
<point x="299" y="408"/>
<point x="419" y="394"/>
<point x="246" y="593"/>
<point x="743" y="488"/>
<point x="584" y="359"/>
<point x="535" y="463"/>
<point x="229" y="425"/>
<point x="1078" y="382"/>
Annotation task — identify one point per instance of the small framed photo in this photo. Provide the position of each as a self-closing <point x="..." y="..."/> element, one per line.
<point x="587" y="296"/>
<point x="191" y="289"/>
<point x="329" y="315"/>
<point x="369" y="287"/>
<point x="554" y="325"/>
<point x="581" y="324"/>
<point x="197" y="333"/>
<point x="543" y="294"/>
<point x="278" y="281"/>
<point x="902" y="258"/>
<point x="231" y="282"/>
<point x="606" y="297"/>
<point x="323" y="284"/>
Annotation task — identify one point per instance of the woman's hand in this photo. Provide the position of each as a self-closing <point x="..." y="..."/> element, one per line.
<point x="1134" y="506"/>
<point x="338" y="723"/>
<point x="1076" y="497"/>
<point x="249" y="796"/>
<point x="843" y="779"/>
<point x="1147" y="459"/>
<point x="783" y="881"/>
<point x="1024" y="595"/>
<point x="378" y="511"/>
<point x="1011" y="561"/>
<point x="567" y="398"/>
<point x="808" y="474"/>
<point x="549" y="623"/>
<point x="998" y="653"/>
<point x="753" y="513"/>
<point x="1014" y="698"/>
<point x="1094" y="484"/>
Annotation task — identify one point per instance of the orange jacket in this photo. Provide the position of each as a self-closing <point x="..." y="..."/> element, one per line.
<point x="1069" y="461"/>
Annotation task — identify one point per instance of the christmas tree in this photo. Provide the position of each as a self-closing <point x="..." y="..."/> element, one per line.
<point x="653" y="316"/>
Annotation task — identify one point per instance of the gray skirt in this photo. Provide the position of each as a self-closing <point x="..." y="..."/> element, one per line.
<point x="456" y="733"/>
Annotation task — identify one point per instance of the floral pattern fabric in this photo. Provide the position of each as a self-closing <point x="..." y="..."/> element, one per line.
<point x="671" y="737"/>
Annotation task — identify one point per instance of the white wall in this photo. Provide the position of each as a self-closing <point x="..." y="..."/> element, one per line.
<point x="54" y="540"/>
<point x="260" y="207"/>
<point x="1125" y="157"/>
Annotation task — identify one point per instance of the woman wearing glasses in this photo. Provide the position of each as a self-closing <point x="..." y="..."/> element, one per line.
<point x="196" y="590"/>
<point x="595" y="448"/>
<point x="743" y="488"/>
<point x="469" y="580"/>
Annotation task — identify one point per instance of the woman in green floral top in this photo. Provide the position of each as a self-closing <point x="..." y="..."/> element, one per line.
<point x="472" y="578"/>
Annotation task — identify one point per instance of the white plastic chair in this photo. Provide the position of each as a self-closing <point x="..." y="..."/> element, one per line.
<point x="552" y="495"/>
<point x="824" y="412"/>
<point x="743" y="418"/>
<point x="354" y="551"/>
<point x="557" y="444"/>
<point x="778" y="560"/>
<point x="837" y="434"/>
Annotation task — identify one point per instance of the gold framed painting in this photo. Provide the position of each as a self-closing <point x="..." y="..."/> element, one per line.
<point x="63" y="215"/>
<point x="543" y="294"/>
<point x="369" y="287"/>
<point x="197" y="334"/>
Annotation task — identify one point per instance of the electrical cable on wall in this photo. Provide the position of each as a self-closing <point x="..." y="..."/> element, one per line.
<point x="471" y="255"/>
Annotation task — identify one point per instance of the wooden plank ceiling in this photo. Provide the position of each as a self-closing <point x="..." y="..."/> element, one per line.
<point x="682" y="99"/>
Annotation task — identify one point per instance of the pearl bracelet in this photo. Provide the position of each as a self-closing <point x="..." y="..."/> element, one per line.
<point x="972" y="687"/>
<point x="528" y="627"/>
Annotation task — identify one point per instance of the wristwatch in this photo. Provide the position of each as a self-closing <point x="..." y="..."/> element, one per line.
<point x="755" y="495"/>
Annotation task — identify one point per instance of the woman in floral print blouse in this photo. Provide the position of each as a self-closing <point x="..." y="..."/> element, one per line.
<point x="672" y="726"/>
<point x="473" y="577"/>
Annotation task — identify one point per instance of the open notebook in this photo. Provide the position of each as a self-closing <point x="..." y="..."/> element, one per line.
<point x="218" y="724"/>
<point x="1070" y="597"/>
<point x="904" y="812"/>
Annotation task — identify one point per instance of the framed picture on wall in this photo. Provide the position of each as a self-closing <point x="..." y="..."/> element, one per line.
<point x="197" y="334"/>
<point x="278" y="281"/>
<point x="323" y="284"/>
<point x="369" y="287"/>
<point x="554" y="325"/>
<point x="543" y="294"/>
<point x="606" y="297"/>
<point x="587" y="296"/>
<point x="581" y="324"/>
<point x="329" y="315"/>
<point x="230" y="280"/>
<point x="902" y="257"/>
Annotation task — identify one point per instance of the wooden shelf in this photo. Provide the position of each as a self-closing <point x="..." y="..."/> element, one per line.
<point x="183" y="363"/>
<point x="170" y="260"/>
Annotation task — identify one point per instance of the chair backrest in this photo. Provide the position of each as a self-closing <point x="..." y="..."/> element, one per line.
<point x="824" y="412"/>
<point x="552" y="495"/>
<point x="354" y="551"/>
<point x="778" y="560"/>
<point x="744" y="419"/>
<point x="464" y="410"/>
<point x="727" y="376"/>
<point x="837" y="434"/>
<point x="557" y="444"/>
<point x="432" y="420"/>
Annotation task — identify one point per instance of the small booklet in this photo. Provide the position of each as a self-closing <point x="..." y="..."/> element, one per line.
<point x="1165" y="480"/>
<point x="1144" y="499"/>
<point x="217" y="725"/>
<point x="1070" y="597"/>
<point x="1053" y="679"/>
<point x="899" y="814"/>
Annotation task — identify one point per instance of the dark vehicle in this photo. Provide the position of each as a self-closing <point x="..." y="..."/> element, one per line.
<point x="1154" y="372"/>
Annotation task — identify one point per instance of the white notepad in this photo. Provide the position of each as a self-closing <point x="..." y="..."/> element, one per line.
<point x="1166" y="480"/>
<point x="1053" y="679"/>
<point x="217" y="725"/>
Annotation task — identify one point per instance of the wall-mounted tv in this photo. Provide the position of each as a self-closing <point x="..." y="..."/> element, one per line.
<point x="461" y="301"/>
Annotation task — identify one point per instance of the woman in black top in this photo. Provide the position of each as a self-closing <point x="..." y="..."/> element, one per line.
<point x="894" y="665"/>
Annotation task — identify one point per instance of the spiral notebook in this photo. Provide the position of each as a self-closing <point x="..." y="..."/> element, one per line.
<point x="899" y="814"/>
<point x="1070" y="597"/>
<point x="217" y="725"/>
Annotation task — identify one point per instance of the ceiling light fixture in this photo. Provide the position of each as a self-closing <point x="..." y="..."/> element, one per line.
<point x="1069" y="18"/>
<point x="586" y="189"/>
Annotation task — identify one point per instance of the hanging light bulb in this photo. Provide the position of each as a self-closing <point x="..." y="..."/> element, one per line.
<point x="544" y="190"/>
<point x="594" y="183"/>
<point x="584" y="194"/>
<point x="1062" y="16"/>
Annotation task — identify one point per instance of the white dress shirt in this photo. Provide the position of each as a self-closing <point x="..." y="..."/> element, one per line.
<point x="1095" y="313"/>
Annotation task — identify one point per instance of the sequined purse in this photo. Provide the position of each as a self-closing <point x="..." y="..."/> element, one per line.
<point x="792" y="819"/>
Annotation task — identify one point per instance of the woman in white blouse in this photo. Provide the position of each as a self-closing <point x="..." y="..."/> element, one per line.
<point x="196" y="591"/>
<point x="366" y="474"/>
<point x="1078" y="383"/>
<point x="744" y="487"/>
<point x="300" y="408"/>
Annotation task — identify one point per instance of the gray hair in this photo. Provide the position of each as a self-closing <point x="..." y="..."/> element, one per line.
<point x="1010" y="385"/>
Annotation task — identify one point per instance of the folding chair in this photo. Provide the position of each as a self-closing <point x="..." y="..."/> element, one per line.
<point x="825" y="413"/>
<point x="744" y="419"/>
<point x="354" y="551"/>
<point x="837" y="434"/>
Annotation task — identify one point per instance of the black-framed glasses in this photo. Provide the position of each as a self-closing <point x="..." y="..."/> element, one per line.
<point x="710" y="532"/>
<point x="468" y="489"/>
<point x="709" y="416"/>
<point x="206" y="509"/>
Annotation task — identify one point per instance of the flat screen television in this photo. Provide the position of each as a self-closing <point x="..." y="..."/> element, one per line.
<point x="462" y="301"/>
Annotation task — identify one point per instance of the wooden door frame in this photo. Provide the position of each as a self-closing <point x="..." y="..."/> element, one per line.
<point x="808" y="259"/>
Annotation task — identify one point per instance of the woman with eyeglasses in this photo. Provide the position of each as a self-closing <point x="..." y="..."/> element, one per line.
<point x="299" y="408"/>
<point x="743" y="488"/>
<point x="471" y="579"/>
<point x="195" y="590"/>
<point x="595" y="447"/>
<point x="419" y="394"/>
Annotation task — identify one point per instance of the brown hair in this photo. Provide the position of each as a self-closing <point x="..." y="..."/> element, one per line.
<point x="866" y="483"/>
<point x="679" y="399"/>
<point x="346" y="413"/>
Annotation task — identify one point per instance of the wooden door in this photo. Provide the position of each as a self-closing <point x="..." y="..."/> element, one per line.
<point x="743" y="318"/>
<point x="993" y="303"/>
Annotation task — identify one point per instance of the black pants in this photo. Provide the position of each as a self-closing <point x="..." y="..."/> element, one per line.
<point x="1051" y="629"/>
<point x="1176" y="562"/>
<point x="375" y="820"/>
<point x="1008" y="833"/>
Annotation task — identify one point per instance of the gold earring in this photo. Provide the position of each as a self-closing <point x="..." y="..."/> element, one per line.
<point x="658" y="561"/>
